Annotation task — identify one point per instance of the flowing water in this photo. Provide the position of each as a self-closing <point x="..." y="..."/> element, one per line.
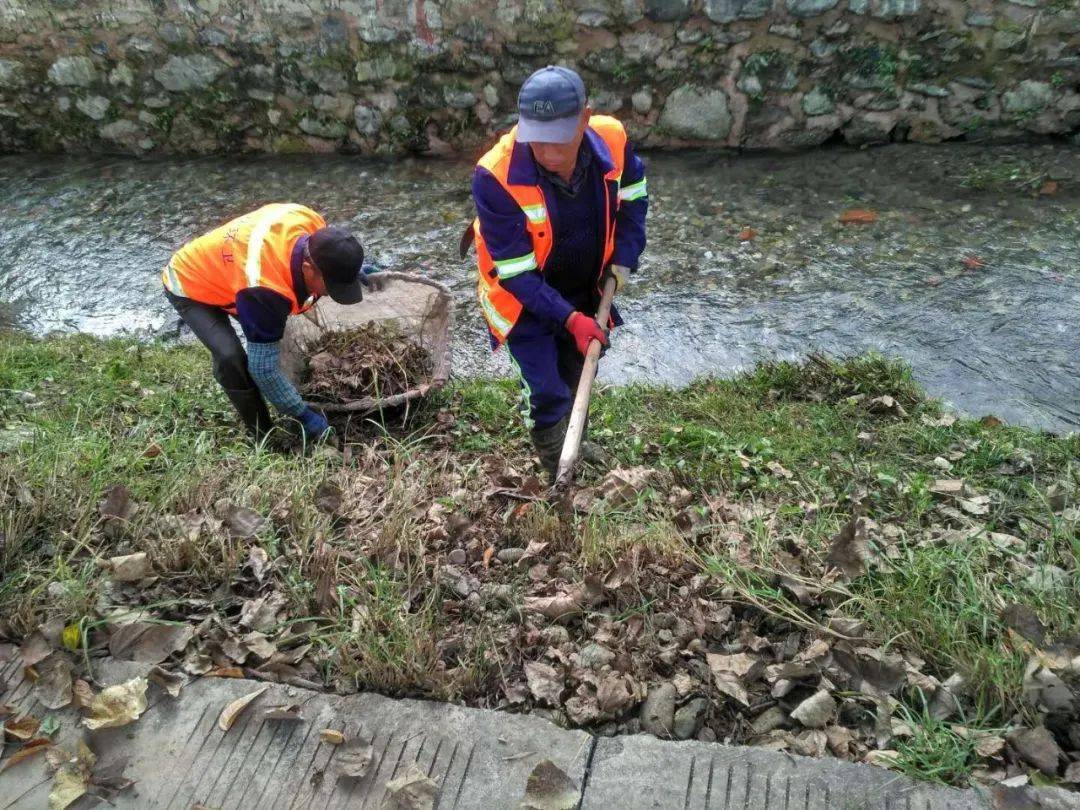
<point x="82" y="242"/>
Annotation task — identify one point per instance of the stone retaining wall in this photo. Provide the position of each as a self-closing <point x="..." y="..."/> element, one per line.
<point x="438" y="76"/>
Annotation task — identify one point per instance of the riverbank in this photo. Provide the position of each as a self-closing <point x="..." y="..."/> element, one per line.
<point x="811" y="558"/>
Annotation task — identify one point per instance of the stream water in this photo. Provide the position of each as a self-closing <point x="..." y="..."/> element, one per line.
<point x="82" y="242"/>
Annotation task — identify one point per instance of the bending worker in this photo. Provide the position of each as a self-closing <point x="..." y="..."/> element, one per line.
<point x="261" y="268"/>
<point x="561" y="204"/>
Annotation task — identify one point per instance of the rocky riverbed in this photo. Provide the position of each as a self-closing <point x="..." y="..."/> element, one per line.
<point x="964" y="260"/>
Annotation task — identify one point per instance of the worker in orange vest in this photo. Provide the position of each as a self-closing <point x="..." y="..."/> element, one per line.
<point x="561" y="202"/>
<point x="261" y="268"/>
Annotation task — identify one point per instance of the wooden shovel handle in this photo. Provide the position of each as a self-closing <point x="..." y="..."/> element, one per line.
<point x="572" y="443"/>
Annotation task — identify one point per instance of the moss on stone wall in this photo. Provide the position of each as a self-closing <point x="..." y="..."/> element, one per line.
<point x="443" y="74"/>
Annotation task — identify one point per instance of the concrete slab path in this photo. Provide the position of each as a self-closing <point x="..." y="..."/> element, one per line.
<point x="479" y="759"/>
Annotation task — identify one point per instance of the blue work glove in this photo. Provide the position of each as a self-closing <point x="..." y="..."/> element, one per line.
<point x="368" y="270"/>
<point x="315" y="424"/>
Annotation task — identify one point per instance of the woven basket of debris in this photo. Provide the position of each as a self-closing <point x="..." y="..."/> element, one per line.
<point x="388" y="350"/>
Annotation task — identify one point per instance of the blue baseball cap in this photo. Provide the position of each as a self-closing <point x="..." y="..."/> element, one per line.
<point x="550" y="106"/>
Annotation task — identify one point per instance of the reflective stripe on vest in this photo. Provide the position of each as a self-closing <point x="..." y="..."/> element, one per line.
<point x="501" y="309"/>
<point x="253" y="266"/>
<point x="254" y="250"/>
<point x="172" y="282"/>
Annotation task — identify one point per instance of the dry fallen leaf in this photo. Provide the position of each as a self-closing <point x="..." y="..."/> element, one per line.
<point x="560" y="608"/>
<point x="117" y="705"/>
<point x="54" y="685"/>
<point x="234" y="709"/>
<point x="545" y="683"/>
<point x="850" y="549"/>
<point x="82" y="694"/>
<point x="130" y="567"/>
<point x="815" y="711"/>
<point x="171" y="682"/>
<point x="22" y="728"/>
<point x="414" y="790"/>
<point x="262" y="613"/>
<point x="614" y="696"/>
<point x="1049" y="188"/>
<point x="331" y="736"/>
<point x="883" y="759"/>
<point x="287" y="712"/>
<point x="243" y="522"/>
<point x="149" y="642"/>
<point x="68" y="785"/>
<point x="858" y="216"/>
<point x="624" y="570"/>
<point x="886" y="404"/>
<point x="989" y="745"/>
<point x="34" y="649"/>
<point x="623" y="485"/>
<point x="225" y="672"/>
<point x="31" y="748"/>
<point x="549" y="788"/>
<point x="116" y="505"/>
<point x="354" y="760"/>
<point x="73" y="773"/>
<point x="741" y="664"/>
<point x="732" y="673"/>
<point x="975" y="505"/>
<point x="259" y="644"/>
<point x="945" y="420"/>
<point x="879" y="668"/>
<point x="258" y="562"/>
<point x="489" y="552"/>
<point x="747" y="235"/>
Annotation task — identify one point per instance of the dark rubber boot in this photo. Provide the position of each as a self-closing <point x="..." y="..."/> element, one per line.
<point x="252" y="410"/>
<point x="548" y="443"/>
<point x="591" y="452"/>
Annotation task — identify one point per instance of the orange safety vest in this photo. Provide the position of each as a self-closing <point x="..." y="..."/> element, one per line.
<point x="501" y="308"/>
<point x="254" y="250"/>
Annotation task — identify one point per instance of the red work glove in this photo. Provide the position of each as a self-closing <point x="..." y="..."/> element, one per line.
<point x="585" y="330"/>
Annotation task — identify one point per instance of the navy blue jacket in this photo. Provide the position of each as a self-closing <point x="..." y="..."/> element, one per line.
<point x="503" y="223"/>
<point x="262" y="312"/>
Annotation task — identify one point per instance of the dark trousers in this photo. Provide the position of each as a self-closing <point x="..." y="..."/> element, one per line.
<point x="211" y="325"/>
<point x="550" y="367"/>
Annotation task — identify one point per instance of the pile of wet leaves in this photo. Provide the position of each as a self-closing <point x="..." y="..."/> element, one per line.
<point x="460" y="579"/>
<point x="375" y="360"/>
<point x="655" y="645"/>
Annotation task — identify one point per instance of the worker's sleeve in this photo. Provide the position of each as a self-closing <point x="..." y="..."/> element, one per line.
<point x="633" y="205"/>
<point x="503" y="226"/>
<point x="262" y="314"/>
<point x="263" y="363"/>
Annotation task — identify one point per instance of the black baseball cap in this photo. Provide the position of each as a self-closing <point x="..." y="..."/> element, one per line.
<point x="338" y="256"/>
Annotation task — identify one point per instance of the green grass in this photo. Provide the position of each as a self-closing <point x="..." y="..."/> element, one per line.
<point x="789" y="447"/>
<point x="939" y="751"/>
